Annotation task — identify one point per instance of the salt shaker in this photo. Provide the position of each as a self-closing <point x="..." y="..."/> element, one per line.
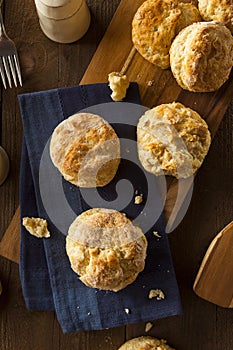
<point x="63" y="21"/>
<point x="4" y="165"/>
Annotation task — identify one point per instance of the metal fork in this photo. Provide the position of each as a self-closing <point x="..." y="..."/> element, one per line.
<point x="9" y="62"/>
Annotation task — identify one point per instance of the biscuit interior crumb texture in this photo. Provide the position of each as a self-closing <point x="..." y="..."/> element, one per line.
<point x="217" y="10"/>
<point x="172" y="140"/>
<point x="105" y="249"/>
<point x="36" y="226"/>
<point x="119" y="84"/>
<point x="145" y="343"/>
<point x="201" y="56"/>
<point x="156" y="293"/>
<point x="155" y="25"/>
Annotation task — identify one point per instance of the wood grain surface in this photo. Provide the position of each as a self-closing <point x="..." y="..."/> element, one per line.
<point x="47" y="65"/>
<point x="214" y="278"/>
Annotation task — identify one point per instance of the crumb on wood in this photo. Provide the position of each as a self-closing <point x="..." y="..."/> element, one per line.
<point x="150" y="83"/>
<point x="108" y="339"/>
<point x="156" y="293"/>
<point x="119" y="84"/>
<point x="148" y="326"/>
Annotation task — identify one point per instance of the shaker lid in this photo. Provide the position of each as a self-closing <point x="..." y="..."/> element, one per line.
<point x="56" y="12"/>
<point x="56" y="3"/>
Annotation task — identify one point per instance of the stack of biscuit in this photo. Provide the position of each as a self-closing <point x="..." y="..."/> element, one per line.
<point x="170" y="33"/>
<point x="155" y="25"/>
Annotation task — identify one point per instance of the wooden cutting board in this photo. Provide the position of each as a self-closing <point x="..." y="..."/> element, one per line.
<point x="156" y="86"/>
<point x="214" y="278"/>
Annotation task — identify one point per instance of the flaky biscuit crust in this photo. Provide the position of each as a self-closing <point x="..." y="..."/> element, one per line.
<point x="97" y="255"/>
<point x="145" y="343"/>
<point x="155" y="25"/>
<point x="172" y="140"/>
<point x="201" y="56"/>
<point x="86" y="150"/>
<point x="217" y="10"/>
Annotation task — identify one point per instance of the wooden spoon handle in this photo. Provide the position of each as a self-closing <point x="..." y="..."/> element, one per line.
<point x="214" y="281"/>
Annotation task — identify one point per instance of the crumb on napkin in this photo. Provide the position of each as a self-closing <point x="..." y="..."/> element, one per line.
<point x="156" y="293"/>
<point x="119" y="84"/>
<point x="156" y="234"/>
<point x="36" y="226"/>
<point x="138" y="199"/>
<point x="127" y="311"/>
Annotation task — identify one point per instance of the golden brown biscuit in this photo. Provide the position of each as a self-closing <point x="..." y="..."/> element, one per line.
<point x="86" y="150"/>
<point x="172" y="140"/>
<point x="217" y="10"/>
<point x="201" y="56"/>
<point x="145" y="343"/>
<point x="155" y="25"/>
<point x="105" y="249"/>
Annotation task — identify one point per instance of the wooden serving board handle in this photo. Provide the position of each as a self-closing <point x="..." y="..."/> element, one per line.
<point x="214" y="281"/>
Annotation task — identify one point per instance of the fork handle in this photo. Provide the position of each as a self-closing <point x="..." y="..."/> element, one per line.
<point x="2" y="27"/>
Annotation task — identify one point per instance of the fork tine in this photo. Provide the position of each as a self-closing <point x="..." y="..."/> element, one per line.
<point x="18" y="69"/>
<point x="7" y="70"/>
<point x="12" y="67"/>
<point x="2" y="74"/>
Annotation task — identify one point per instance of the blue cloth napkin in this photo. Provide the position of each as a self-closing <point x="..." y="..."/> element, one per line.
<point x="48" y="282"/>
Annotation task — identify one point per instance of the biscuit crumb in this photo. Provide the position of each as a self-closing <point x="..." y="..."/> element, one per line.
<point x="127" y="311"/>
<point x="138" y="199"/>
<point x="148" y="326"/>
<point x="36" y="226"/>
<point x="156" y="293"/>
<point x="108" y="339"/>
<point x="89" y="313"/>
<point x="156" y="234"/>
<point x="150" y="83"/>
<point x="119" y="84"/>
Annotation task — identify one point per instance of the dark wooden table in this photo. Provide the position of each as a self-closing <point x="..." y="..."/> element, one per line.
<point x="47" y="65"/>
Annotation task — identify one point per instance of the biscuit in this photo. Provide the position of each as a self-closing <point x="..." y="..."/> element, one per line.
<point x="217" y="10"/>
<point x="155" y="25"/>
<point x="105" y="249"/>
<point x="172" y="140"/>
<point x="145" y="343"/>
<point x="201" y="56"/>
<point x="86" y="150"/>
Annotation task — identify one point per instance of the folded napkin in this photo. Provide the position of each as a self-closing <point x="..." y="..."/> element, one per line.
<point x="48" y="282"/>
